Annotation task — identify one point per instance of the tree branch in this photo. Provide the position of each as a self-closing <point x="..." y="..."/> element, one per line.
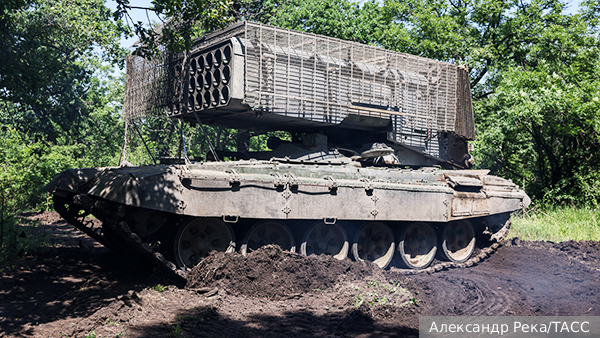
<point x="482" y="73"/>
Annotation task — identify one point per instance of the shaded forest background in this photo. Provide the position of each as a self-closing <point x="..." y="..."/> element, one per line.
<point x="534" y="70"/>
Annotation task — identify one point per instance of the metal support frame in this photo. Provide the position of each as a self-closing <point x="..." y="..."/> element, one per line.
<point x="212" y="149"/>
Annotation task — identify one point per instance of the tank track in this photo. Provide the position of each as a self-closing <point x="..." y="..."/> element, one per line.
<point x="70" y="212"/>
<point x="147" y="251"/>
<point x="483" y="253"/>
<point x="143" y="248"/>
<point x="498" y="238"/>
<point x="124" y="232"/>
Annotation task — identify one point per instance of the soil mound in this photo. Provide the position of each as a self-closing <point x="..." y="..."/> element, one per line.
<point x="78" y="289"/>
<point x="274" y="273"/>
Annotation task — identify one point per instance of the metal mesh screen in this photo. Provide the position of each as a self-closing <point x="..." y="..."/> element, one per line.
<point x="146" y="82"/>
<point x="317" y="78"/>
<point x="325" y="79"/>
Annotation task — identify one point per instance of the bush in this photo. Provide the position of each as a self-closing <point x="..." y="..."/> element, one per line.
<point x="25" y="168"/>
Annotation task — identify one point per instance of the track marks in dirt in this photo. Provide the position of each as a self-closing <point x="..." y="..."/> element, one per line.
<point x="451" y="293"/>
<point x="80" y="287"/>
<point x="521" y="279"/>
<point x="480" y="298"/>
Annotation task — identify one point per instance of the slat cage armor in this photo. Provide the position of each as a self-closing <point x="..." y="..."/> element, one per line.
<point x="303" y="77"/>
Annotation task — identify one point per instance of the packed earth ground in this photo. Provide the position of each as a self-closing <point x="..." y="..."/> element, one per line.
<point x="73" y="287"/>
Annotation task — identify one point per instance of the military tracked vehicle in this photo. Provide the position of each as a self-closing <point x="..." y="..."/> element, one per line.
<point x="376" y="167"/>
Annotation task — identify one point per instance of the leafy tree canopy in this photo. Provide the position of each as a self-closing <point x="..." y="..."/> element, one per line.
<point x="51" y="52"/>
<point x="182" y="21"/>
<point x="534" y="69"/>
<point x="542" y="125"/>
<point x="44" y="40"/>
<point x="59" y="104"/>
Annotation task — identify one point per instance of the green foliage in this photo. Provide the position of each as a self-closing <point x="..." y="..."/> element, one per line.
<point x="30" y="159"/>
<point x="377" y="293"/>
<point x="177" y="331"/>
<point x="47" y="48"/>
<point x="14" y="239"/>
<point x="485" y="35"/>
<point x="92" y="334"/>
<point x="110" y="321"/>
<point x="542" y="125"/>
<point x="336" y="18"/>
<point x="59" y="106"/>
<point x="557" y="225"/>
<point x="182" y="21"/>
<point x="26" y="166"/>
<point x="159" y="287"/>
<point x="123" y="333"/>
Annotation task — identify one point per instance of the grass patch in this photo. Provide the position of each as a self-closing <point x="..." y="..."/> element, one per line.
<point x="159" y="287"/>
<point x="557" y="225"/>
<point x="382" y="293"/>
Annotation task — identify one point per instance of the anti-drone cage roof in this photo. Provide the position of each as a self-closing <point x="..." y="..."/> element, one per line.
<point x="301" y="76"/>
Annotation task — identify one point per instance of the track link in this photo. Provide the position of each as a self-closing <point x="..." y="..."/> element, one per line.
<point x="498" y="237"/>
<point x="142" y="247"/>
<point x="71" y="213"/>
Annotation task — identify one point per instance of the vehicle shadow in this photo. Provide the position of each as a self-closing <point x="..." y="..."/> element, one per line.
<point x="61" y="282"/>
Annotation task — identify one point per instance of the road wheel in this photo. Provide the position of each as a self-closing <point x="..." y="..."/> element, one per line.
<point x="198" y="237"/>
<point x="417" y="246"/>
<point x="269" y="232"/>
<point x="325" y="239"/>
<point x="374" y="242"/>
<point x="458" y="241"/>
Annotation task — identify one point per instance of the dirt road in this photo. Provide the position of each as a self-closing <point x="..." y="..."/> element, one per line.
<point x="76" y="288"/>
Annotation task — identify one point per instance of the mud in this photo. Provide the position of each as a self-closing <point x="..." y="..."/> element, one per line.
<point x="521" y="279"/>
<point x="271" y="272"/>
<point x="73" y="286"/>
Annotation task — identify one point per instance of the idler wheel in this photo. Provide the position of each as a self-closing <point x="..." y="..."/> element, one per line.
<point x="325" y="239"/>
<point x="269" y="232"/>
<point x="417" y="246"/>
<point x="374" y="242"/>
<point x="458" y="241"/>
<point x="200" y="236"/>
